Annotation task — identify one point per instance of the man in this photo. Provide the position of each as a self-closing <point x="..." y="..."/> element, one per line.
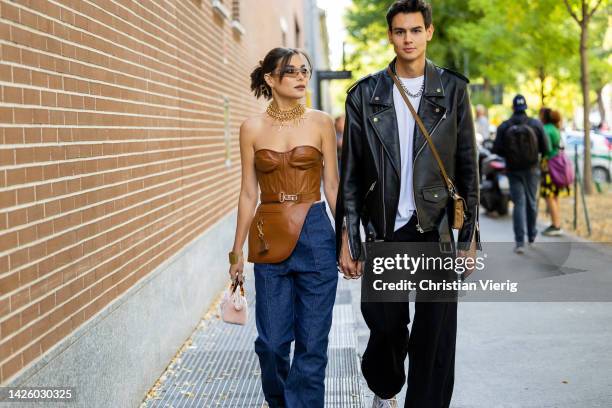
<point x="520" y="140"/>
<point x="392" y="184"/>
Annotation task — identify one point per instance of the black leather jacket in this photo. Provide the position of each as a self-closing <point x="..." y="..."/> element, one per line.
<point x="370" y="164"/>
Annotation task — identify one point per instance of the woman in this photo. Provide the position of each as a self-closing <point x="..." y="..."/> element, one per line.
<point x="291" y="240"/>
<point x="549" y="190"/>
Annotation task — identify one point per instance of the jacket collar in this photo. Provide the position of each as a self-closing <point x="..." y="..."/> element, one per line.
<point x="383" y="92"/>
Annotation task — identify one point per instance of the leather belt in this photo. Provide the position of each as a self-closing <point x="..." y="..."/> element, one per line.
<point x="284" y="197"/>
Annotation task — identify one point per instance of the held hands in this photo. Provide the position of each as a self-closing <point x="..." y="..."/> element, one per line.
<point x="352" y="269"/>
<point x="470" y="253"/>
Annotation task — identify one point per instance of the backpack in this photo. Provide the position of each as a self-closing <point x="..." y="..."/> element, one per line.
<point x="561" y="170"/>
<point x="521" y="147"/>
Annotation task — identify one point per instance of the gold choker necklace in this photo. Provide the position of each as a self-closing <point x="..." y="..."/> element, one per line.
<point x="283" y="117"/>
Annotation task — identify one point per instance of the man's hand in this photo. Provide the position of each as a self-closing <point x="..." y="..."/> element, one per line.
<point x="352" y="269"/>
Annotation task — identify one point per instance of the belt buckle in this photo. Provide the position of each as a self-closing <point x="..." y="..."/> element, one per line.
<point x="287" y="197"/>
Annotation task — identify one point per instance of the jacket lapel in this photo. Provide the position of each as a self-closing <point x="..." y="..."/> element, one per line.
<point x="431" y="109"/>
<point x="384" y="121"/>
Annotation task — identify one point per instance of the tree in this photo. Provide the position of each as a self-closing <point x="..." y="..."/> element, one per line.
<point x="370" y="49"/>
<point x="583" y="18"/>
<point x="600" y="61"/>
<point x="518" y="40"/>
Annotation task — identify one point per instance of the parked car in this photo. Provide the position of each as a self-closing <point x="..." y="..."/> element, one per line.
<point x="608" y="135"/>
<point x="601" y="153"/>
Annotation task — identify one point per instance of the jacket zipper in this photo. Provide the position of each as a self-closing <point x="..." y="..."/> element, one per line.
<point x="382" y="168"/>
<point x="370" y="190"/>
<point x="416" y="207"/>
<point x="345" y="226"/>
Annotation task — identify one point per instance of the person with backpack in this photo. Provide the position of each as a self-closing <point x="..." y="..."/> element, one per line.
<point x="521" y="140"/>
<point x="549" y="190"/>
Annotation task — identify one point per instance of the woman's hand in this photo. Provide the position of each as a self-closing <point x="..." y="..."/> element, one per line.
<point x="352" y="269"/>
<point x="236" y="270"/>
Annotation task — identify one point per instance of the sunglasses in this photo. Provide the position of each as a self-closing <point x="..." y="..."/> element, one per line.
<point x="293" y="72"/>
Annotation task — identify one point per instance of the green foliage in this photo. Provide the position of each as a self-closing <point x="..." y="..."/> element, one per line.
<point x="515" y="43"/>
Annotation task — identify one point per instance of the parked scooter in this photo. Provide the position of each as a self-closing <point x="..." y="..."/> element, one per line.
<point x="494" y="183"/>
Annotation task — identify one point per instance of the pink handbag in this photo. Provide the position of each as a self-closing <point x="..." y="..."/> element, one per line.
<point x="234" y="308"/>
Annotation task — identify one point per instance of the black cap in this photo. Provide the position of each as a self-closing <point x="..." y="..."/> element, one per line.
<point x="519" y="103"/>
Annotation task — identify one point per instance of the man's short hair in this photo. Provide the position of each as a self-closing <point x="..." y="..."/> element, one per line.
<point x="410" y="6"/>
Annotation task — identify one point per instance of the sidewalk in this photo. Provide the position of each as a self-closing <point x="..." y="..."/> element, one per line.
<point x="509" y="354"/>
<point x="218" y="367"/>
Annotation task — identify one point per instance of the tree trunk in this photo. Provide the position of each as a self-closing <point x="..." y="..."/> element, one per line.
<point x="542" y="75"/>
<point x="600" y="106"/>
<point x="584" y="80"/>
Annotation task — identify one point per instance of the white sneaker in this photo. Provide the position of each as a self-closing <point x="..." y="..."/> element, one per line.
<point x="384" y="403"/>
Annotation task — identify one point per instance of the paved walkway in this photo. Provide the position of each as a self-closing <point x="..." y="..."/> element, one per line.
<point x="509" y="354"/>
<point x="217" y="367"/>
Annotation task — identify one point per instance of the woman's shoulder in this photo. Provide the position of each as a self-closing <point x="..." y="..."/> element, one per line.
<point x="320" y="117"/>
<point x="552" y="129"/>
<point x="253" y="123"/>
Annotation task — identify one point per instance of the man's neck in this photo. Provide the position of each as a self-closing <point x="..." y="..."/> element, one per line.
<point x="410" y="69"/>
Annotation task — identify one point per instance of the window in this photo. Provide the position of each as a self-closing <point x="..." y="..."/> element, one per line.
<point x="236" y="17"/>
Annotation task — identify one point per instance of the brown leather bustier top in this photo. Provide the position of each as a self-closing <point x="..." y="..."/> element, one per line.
<point x="297" y="171"/>
<point x="289" y="182"/>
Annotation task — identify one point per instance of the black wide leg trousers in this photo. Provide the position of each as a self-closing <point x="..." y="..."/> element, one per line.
<point x="430" y="346"/>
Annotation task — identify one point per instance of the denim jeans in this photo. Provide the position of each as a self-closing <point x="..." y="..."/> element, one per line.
<point x="523" y="191"/>
<point x="294" y="302"/>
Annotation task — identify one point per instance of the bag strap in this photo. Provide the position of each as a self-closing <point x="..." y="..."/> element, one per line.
<point x="417" y="118"/>
<point x="234" y="285"/>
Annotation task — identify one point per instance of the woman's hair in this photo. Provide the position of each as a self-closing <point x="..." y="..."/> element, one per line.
<point x="276" y="57"/>
<point x="548" y="115"/>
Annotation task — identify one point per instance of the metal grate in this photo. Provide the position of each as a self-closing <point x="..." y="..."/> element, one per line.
<point x="220" y="368"/>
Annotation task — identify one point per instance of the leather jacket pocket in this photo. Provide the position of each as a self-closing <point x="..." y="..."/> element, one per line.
<point x="435" y="194"/>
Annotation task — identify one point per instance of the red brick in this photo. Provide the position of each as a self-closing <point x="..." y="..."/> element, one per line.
<point x="7" y="199"/>
<point x="6" y="115"/>
<point x="20" y="299"/>
<point x="34" y="174"/>
<point x="25" y="195"/>
<point x="15" y="176"/>
<point x="4" y="307"/>
<point x="18" y="258"/>
<point x="15" y="364"/>
<point x="10" y="325"/>
<point x="17" y="217"/>
<point x="7" y="157"/>
<point x="33" y="135"/>
<point x="13" y="94"/>
<point x="31" y="353"/>
<point x="28" y="275"/>
<point x="13" y="135"/>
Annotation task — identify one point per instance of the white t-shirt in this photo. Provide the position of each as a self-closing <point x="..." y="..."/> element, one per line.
<point x="406" y="126"/>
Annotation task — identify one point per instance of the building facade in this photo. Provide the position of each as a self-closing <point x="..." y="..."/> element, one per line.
<point x="119" y="178"/>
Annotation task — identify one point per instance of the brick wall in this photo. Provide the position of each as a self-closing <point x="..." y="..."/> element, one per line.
<point x="114" y="148"/>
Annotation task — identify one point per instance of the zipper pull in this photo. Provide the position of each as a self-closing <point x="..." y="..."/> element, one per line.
<point x="418" y="227"/>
